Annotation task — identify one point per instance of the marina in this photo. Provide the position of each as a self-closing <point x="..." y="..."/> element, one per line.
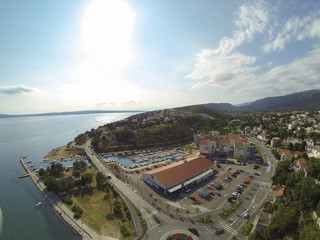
<point x="145" y="158"/>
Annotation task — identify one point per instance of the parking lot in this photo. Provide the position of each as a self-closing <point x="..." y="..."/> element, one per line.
<point x="230" y="181"/>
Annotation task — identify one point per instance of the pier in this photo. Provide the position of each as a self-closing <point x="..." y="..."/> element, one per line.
<point x="82" y="228"/>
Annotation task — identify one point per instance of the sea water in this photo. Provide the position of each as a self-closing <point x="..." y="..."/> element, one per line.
<point x="34" y="137"/>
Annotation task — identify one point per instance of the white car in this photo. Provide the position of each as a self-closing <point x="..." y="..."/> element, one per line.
<point x="235" y="194"/>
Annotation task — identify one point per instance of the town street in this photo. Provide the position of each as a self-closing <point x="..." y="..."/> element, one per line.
<point x="159" y="222"/>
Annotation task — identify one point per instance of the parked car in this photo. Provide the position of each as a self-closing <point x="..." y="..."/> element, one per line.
<point x="209" y="187"/>
<point x="256" y="174"/>
<point x="193" y="198"/>
<point x="218" y="193"/>
<point x="239" y="187"/>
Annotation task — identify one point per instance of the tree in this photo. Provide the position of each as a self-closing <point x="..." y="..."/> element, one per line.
<point x="285" y="220"/>
<point x="282" y="170"/>
<point x="314" y="168"/>
<point x="55" y="169"/>
<point x="306" y="193"/>
<point x="260" y="235"/>
<point x="86" y="179"/>
<point x="276" y="154"/>
<point x="79" y="165"/>
<point x="42" y="172"/>
<point x="100" y="178"/>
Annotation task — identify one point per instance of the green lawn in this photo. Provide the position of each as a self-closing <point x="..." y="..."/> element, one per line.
<point x="246" y="228"/>
<point x="227" y="213"/>
<point x="206" y="220"/>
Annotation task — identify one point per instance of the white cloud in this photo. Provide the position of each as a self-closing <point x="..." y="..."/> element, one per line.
<point x="223" y="67"/>
<point x="295" y="29"/>
<point x="222" y="70"/>
<point x="18" y="89"/>
<point x="299" y="75"/>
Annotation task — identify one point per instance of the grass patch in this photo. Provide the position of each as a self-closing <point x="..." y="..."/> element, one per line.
<point x="97" y="211"/>
<point x="259" y="152"/>
<point x="233" y="238"/>
<point x="64" y="152"/>
<point x="206" y="220"/>
<point x="246" y="228"/>
<point x="227" y="213"/>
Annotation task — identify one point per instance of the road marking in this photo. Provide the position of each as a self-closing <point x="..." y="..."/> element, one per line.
<point x="227" y="227"/>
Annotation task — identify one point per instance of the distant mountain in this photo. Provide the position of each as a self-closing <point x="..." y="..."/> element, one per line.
<point x="307" y="100"/>
<point x="65" y="113"/>
<point x="242" y="104"/>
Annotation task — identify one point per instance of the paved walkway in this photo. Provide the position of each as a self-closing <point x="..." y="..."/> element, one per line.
<point x="64" y="212"/>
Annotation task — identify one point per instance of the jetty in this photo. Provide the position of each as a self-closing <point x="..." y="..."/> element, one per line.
<point x="79" y="226"/>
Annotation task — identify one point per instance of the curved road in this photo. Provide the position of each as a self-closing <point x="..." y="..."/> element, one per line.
<point x="256" y="195"/>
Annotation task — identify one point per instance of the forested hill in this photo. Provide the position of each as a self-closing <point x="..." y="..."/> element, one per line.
<point x="155" y="129"/>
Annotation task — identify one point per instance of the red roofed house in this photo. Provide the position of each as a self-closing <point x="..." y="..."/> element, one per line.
<point x="179" y="175"/>
<point x="301" y="164"/>
<point x="285" y="154"/>
<point x="280" y="192"/>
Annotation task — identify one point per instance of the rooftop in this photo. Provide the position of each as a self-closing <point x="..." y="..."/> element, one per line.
<point x="179" y="171"/>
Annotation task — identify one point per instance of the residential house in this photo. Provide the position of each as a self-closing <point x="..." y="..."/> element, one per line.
<point x="279" y="193"/>
<point x="301" y="164"/>
<point x="285" y="154"/>
<point x="315" y="152"/>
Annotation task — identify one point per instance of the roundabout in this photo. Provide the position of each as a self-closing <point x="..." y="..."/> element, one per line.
<point x="179" y="235"/>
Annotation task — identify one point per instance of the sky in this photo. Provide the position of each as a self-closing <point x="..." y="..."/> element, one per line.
<point x="145" y="55"/>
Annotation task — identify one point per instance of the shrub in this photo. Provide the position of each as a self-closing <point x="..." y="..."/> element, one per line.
<point x="124" y="231"/>
<point x="67" y="200"/>
<point x="77" y="210"/>
<point x="110" y="217"/>
<point x="76" y="215"/>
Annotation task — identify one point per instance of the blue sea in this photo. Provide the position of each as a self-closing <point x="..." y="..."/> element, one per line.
<point x="34" y="137"/>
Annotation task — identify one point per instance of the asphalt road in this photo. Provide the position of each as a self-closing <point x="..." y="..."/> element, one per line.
<point x="160" y="223"/>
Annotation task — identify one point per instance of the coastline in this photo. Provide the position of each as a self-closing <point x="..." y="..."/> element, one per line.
<point x="79" y="226"/>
